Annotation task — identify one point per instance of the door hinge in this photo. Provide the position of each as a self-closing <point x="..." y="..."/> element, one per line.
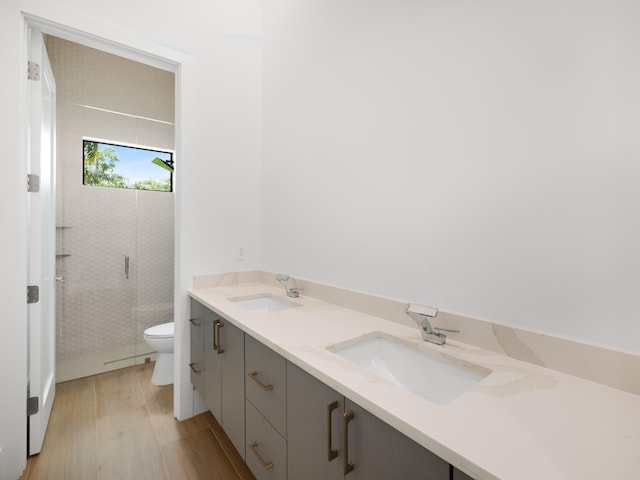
<point x="33" y="405"/>
<point x="33" y="71"/>
<point x="33" y="183"/>
<point x="33" y="293"/>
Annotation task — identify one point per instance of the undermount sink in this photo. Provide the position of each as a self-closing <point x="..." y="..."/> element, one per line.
<point x="436" y="378"/>
<point x="263" y="303"/>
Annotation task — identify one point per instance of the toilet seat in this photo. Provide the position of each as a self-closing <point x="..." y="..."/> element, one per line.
<point x="164" y="330"/>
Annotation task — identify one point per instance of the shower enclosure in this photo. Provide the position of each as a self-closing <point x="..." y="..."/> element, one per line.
<point x="115" y="277"/>
<point x="115" y="257"/>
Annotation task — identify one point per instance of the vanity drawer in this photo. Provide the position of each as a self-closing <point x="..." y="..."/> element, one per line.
<point x="266" y="449"/>
<point x="266" y="383"/>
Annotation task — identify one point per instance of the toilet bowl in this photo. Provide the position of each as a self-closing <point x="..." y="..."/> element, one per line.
<point x="160" y="339"/>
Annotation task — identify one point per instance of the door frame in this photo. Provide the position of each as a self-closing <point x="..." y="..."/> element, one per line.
<point x="144" y="51"/>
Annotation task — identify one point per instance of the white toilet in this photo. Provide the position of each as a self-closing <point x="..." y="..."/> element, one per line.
<point x="160" y="339"/>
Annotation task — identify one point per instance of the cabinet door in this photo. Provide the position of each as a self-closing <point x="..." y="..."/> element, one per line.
<point x="266" y="449"/>
<point x="377" y="450"/>
<point x="213" y="366"/>
<point x="232" y="384"/>
<point x="458" y="475"/>
<point x="314" y="426"/>
<point x="197" y="361"/>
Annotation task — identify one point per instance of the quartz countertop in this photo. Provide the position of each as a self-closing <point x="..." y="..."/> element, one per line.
<point x="520" y="422"/>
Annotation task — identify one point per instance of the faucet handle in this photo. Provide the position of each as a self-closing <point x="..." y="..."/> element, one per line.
<point x="446" y="330"/>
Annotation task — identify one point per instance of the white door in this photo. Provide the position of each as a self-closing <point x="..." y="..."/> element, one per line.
<point x="41" y="239"/>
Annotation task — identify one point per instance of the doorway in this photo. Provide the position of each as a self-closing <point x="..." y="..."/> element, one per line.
<point x="38" y="353"/>
<point x="114" y="255"/>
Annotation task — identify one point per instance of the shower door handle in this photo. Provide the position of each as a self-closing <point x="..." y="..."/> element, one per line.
<point x="126" y="266"/>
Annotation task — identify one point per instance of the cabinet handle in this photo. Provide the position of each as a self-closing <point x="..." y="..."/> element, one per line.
<point x="348" y="467"/>
<point x="331" y="453"/>
<point x="254" y="376"/>
<point x="217" y="325"/>
<point x="126" y="266"/>
<point x="195" y="322"/>
<point x="254" y="449"/>
<point x="193" y="369"/>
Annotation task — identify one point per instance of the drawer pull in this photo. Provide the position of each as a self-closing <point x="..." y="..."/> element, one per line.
<point x="331" y="453"/>
<point x="348" y="467"/>
<point x="217" y="325"/>
<point x="195" y="322"/>
<point x="254" y="449"/>
<point x="254" y="376"/>
<point x="193" y="369"/>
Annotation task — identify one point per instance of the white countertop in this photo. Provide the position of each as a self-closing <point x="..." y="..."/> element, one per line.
<point x="520" y="422"/>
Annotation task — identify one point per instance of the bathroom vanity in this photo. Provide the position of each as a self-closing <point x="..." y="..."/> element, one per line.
<point x="296" y="426"/>
<point x="269" y="368"/>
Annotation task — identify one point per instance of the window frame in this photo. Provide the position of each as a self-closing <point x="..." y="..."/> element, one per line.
<point x="111" y="143"/>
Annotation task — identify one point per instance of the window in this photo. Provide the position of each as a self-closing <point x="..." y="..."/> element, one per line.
<point x="119" y="166"/>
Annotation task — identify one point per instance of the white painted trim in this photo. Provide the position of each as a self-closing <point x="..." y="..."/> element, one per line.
<point x="68" y="25"/>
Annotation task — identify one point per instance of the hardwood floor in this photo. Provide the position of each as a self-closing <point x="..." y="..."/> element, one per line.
<point x="117" y="425"/>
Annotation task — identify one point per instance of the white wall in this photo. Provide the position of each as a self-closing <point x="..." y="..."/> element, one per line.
<point x="218" y="48"/>
<point x="477" y="156"/>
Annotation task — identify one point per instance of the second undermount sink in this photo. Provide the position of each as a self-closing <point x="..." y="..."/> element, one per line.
<point x="437" y="378"/>
<point x="263" y="303"/>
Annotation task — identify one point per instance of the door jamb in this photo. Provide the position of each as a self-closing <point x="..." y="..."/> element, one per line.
<point x="117" y="43"/>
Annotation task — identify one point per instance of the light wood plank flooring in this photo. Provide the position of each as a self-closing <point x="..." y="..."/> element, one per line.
<point x="117" y="425"/>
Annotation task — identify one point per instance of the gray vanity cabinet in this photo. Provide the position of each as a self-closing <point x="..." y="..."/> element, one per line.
<point x="197" y="321"/>
<point x="288" y="425"/>
<point x="224" y="372"/>
<point x="375" y="450"/>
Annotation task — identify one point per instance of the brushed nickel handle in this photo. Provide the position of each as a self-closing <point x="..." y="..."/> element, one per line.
<point x="193" y="369"/>
<point x="446" y="330"/>
<point x="126" y="266"/>
<point x="254" y="449"/>
<point x="195" y="322"/>
<point x="254" y="376"/>
<point x="217" y="325"/>
<point x="331" y="453"/>
<point x="348" y="467"/>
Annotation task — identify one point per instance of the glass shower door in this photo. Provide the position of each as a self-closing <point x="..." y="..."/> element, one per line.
<point x="96" y="322"/>
<point x="117" y="268"/>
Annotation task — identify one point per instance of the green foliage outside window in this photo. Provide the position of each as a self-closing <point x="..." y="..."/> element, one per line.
<point x="153" y="170"/>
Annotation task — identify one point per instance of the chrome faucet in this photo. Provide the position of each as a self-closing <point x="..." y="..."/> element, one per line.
<point x="284" y="280"/>
<point x="421" y="314"/>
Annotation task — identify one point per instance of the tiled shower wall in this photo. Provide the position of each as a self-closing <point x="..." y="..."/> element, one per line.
<point x="101" y="315"/>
